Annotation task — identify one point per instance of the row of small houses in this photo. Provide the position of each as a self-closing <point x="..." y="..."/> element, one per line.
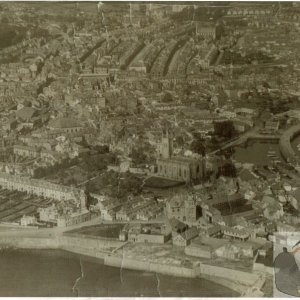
<point x="248" y="11"/>
<point x="138" y="208"/>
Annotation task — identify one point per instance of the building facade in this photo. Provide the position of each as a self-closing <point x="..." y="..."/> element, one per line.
<point x="208" y="30"/>
<point x="42" y="188"/>
<point x="74" y="218"/>
<point x="182" y="207"/>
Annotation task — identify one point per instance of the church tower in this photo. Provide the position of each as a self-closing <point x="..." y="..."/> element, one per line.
<point x="166" y="148"/>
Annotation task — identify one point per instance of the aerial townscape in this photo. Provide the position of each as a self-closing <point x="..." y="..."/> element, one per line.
<point x="157" y="137"/>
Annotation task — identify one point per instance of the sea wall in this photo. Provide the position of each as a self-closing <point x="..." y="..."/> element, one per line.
<point x="236" y="280"/>
<point x="242" y="277"/>
<point x="91" y="247"/>
<point x="148" y="266"/>
<point x="172" y="270"/>
<point x="239" y="288"/>
<point x="94" y="247"/>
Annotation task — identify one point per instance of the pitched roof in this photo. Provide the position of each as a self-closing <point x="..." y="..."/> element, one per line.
<point x="213" y="230"/>
<point x="177" y="225"/>
<point x="190" y="233"/>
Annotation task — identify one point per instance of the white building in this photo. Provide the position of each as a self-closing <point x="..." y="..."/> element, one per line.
<point x="28" y="220"/>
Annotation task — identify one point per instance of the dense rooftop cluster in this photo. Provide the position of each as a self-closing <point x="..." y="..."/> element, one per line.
<point x="140" y="121"/>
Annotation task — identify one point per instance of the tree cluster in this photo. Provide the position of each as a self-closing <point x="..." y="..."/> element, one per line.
<point x="98" y="162"/>
<point x="225" y="129"/>
<point x="118" y="185"/>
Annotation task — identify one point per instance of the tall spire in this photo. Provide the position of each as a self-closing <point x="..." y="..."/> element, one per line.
<point x="166" y="150"/>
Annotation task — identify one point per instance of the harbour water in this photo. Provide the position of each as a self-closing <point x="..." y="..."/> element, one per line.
<point x="257" y="153"/>
<point x="45" y="273"/>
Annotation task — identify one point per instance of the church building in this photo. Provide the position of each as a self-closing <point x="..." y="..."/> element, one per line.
<point x="181" y="168"/>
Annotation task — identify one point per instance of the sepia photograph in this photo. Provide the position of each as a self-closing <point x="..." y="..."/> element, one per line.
<point x="150" y="149"/>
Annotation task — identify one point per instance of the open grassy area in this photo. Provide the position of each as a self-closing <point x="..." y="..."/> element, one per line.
<point x="158" y="182"/>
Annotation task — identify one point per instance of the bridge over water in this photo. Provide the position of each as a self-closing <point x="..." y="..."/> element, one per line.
<point x="284" y="140"/>
<point x="249" y="136"/>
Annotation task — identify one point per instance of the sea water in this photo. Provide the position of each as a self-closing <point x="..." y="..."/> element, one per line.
<point x="45" y="273"/>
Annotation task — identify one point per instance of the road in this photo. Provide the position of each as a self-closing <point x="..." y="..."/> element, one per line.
<point x="15" y="231"/>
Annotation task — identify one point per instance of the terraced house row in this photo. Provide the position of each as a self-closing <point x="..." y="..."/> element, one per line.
<point x="41" y="188"/>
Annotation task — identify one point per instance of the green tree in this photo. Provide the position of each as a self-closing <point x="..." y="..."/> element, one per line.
<point x="138" y="156"/>
<point x="224" y="129"/>
<point x="198" y="146"/>
<point x="89" y="199"/>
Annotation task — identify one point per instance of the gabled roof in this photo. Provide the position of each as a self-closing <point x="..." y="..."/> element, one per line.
<point x="190" y="233"/>
<point x="213" y="230"/>
<point x="177" y="225"/>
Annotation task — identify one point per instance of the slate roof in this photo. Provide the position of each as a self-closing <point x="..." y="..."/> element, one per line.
<point x="190" y="233"/>
<point x="177" y="225"/>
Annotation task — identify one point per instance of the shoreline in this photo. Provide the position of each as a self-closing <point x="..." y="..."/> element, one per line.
<point x="100" y="249"/>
